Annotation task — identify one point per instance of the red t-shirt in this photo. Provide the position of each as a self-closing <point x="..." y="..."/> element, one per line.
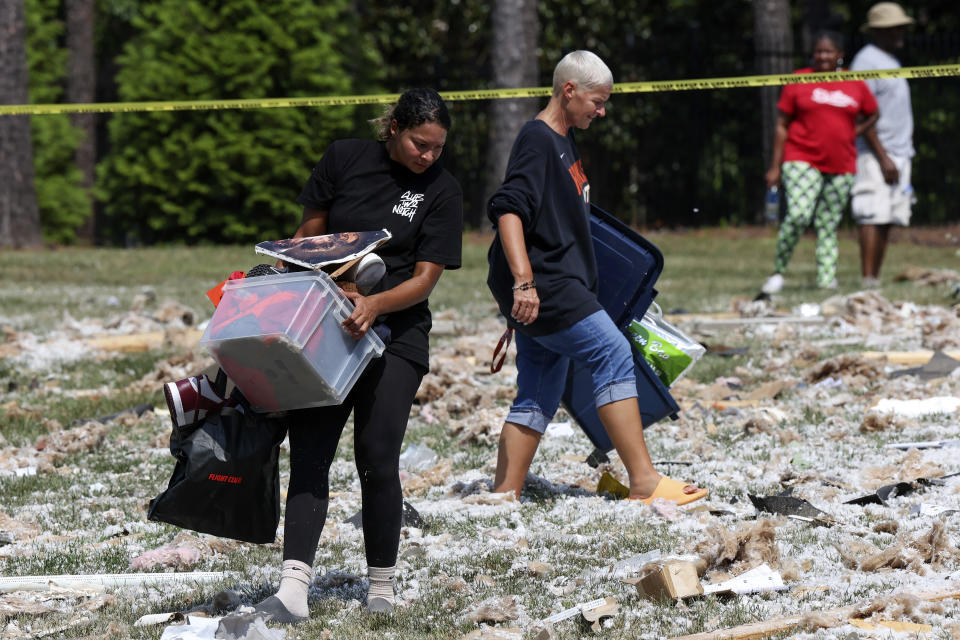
<point x="824" y="117"/>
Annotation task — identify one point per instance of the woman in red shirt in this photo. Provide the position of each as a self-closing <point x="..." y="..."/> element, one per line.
<point x="815" y="157"/>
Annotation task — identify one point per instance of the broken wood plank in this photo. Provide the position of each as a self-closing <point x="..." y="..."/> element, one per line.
<point x="921" y="356"/>
<point x="39" y="583"/>
<point x="839" y="616"/>
<point x="692" y="317"/>
<point x="344" y="268"/>
<point x="720" y="405"/>
<point x="695" y="324"/>
<point x="891" y="624"/>
<point x="137" y="342"/>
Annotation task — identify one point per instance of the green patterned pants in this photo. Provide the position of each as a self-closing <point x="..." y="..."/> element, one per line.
<point x="821" y="197"/>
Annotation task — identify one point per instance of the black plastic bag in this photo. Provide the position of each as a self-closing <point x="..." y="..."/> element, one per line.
<point x="227" y="478"/>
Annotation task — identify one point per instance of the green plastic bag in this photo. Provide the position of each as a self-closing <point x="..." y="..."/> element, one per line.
<point x="669" y="351"/>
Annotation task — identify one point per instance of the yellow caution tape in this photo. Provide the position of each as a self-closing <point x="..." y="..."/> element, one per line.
<point x="910" y="73"/>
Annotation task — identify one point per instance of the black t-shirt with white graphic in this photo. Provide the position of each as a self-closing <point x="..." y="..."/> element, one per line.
<point x="545" y="185"/>
<point x="362" y="189"/>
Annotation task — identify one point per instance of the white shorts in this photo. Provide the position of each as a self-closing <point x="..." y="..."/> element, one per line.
<point x="873" y="201"/>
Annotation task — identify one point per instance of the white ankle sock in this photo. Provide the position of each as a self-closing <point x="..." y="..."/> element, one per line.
<point x="381" y="588"/>
<point x="295" y="580"/>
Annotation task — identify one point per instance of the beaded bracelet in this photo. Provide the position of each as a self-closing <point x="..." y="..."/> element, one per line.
<point x="523" y="286"/>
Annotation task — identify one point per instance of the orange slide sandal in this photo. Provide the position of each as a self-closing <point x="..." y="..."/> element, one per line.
<point x="667" y="488"/>
<point x="670" y="489"/>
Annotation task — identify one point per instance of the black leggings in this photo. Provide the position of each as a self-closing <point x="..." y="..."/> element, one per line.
<point x="380" y="402"/>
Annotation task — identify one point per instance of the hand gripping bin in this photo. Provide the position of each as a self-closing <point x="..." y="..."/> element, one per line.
<point x="278" y="337"/>
<point x="628" y="266"/>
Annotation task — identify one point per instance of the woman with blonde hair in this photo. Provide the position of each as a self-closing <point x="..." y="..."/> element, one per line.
<point x="543" y="274"/>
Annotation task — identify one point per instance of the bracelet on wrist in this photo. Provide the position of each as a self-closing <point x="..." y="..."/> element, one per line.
<point x="523" y="286"/>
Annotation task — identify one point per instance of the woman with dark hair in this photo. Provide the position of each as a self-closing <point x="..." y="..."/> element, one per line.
<point x="815" y="157"/>
<point x="396" y="184"/>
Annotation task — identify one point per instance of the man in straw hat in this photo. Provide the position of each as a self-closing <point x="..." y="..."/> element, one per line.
<point x="882" y="194"/>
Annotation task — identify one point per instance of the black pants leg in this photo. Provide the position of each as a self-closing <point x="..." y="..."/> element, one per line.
<point x="381" y="402"/>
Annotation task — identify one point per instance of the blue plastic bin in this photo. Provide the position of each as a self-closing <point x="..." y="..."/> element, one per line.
<point x="629" y="266"/>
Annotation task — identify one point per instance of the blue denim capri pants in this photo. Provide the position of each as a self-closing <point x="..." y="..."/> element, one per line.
<point x="542" y="364"/>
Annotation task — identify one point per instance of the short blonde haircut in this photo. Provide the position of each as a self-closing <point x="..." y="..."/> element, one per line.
<point x="583" y="68"/>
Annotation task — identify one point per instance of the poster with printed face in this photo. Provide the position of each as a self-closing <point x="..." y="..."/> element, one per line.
<point x="316" y="252"/>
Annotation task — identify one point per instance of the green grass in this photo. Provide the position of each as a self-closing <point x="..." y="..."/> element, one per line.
<point x="704" y="272"/>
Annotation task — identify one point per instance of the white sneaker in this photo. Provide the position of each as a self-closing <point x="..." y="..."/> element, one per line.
<point x="869" y="282"/>
<point x="366" y="273"/>
<point x="830" y="285"/>
<point x="773" y="284"/>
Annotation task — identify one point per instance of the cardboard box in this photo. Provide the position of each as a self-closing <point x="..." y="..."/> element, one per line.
<point x="674" y="579"/>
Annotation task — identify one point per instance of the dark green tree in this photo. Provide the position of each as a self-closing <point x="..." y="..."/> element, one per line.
<point x="681" y="158"/>
<point x="228" y="175"/>
<point x="443" y="44"/>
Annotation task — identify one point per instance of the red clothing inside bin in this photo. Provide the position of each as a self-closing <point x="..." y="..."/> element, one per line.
<point x="256" y="386"/>
<point x="273" y="313"/>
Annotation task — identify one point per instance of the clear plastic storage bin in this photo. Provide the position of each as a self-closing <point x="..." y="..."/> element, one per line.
<point x="279" y="339"/>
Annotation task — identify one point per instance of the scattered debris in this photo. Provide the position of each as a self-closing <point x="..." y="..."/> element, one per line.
<point x="419" y="483"/>
<point x="932" y="548"/>
<point x="893" y="625"/>
<point x="496" y="633"/>
<point x="152" y="619"/>
<point x="884" y="493"/>
<point x="418" y="457"/>
<point x="790" y="506"/>
<point x="917" y="408"/>
<point x="595" y="615"/>
<point x="99" y="580"/>
<point x="814" y="619"/>
<point x="669" y="579"/>
<point x="793" y="411"/>
<point x="497" y="609"/>
<point x="729" y="553"/>
<point x="192" y="628"/>
<point x="931" y="510"/>
<point x="927" y="277"/>
<point x="183" y="551"/>
<point x="845" y="365"/>
<point x="756" y="580"/>
<point x="409" y="518"/>
<point x="138" y="411"/>
<point x="611" y="486"/>
<point x="926" y="444"/>
<point x="14" y="530"/>
<point x="246" y="626"/>
<point x="939" y="365"/>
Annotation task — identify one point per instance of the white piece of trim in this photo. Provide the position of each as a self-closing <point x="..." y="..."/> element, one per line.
<point x="39" y="583"/>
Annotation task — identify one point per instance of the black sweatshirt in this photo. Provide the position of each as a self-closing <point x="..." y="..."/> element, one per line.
<point x="545" y="185"/>
<point x="364" y="190"/>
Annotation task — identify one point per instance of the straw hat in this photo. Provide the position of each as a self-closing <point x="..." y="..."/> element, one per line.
<point x="885" y="15"/>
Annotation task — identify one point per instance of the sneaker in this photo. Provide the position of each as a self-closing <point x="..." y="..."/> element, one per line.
<point x="379" y="605"/>
<point x="263" y="270"/>
<point x="869" y="282"/>
<point x="190" y="400"/>
<point x="368" y="272"/>
<point x="273" y="610"/>
<point x="773" y="284"/>
<point x="830" y="285"/>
